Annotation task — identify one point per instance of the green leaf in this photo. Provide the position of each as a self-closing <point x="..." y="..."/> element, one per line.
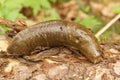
<point x="64" y="1"/>
<point x="77" y="19"/>
<point x="51" y="15"/>
<point x="85" y="8"/>
<point x="14" y="4"/>
<point x="38" y="3"/>
<point x="21" y="16"/>
<point x="90" y="22"/>
<point x="8" y="14"/>
<point x="13" y="15"/>
<point x="4" y="12"/>
<point x="2" y="2"/>
<point x="45" y="4"/>
<point x="34" y="4"/>
<point x="116" y="9"/>
<point x="54" y="13"/>
<point x="53" y="1"/>
<point x="3" y="29"/>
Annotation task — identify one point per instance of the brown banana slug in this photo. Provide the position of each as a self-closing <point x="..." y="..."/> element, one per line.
<point x="55" y="34"/>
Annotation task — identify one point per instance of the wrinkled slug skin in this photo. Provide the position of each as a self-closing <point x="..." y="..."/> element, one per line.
<point x="54" y="34"/>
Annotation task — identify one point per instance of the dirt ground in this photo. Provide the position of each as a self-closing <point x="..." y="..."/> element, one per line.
<point x="63" y="66"/>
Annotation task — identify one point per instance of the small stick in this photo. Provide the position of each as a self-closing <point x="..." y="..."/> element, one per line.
<point x="107" y="26"/>
<point x="17" y="26"/>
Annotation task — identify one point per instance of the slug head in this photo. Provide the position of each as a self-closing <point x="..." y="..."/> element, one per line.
<point x="85" y="41"/>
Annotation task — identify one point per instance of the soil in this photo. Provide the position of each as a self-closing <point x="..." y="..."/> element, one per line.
<point x="66" y="65"/>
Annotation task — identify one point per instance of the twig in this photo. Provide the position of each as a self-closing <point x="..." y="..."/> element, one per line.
<point x="17" y="26"/>
<point x="107" y="26"/>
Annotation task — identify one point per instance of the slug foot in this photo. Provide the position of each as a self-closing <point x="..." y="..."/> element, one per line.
<point x="39" y="56"/>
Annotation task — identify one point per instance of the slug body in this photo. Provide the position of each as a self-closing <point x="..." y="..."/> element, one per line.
<point x="54" y="34"/>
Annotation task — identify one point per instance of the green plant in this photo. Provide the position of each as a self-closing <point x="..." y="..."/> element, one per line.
<point x="53" y="1"/>
<point x="37" y="5"/>
<point x="91" y="22"/>
<point x="116" y="9"/>
<point x="51" y="15"/>
<point x="85" y="8"/>
<point x="10" y="9"/>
